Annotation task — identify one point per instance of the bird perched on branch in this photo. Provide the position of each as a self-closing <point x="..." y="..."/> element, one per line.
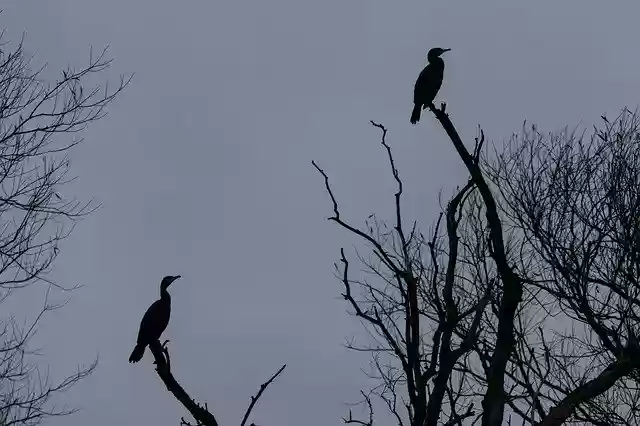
<point x="428" y="83"/>
<point x="154" y="321"/>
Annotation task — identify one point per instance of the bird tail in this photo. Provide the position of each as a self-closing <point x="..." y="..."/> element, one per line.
<point x="137" y="353"/>
<point x="415" y="115"/>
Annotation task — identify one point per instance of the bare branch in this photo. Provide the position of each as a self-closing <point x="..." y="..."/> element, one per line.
<point x="389" y="262"/>
<point x="163" y="368"/>
<point x="494" y="400"/>
<point x="254" y="399"/>
<point x="36" y="214"/>
<point x="369" y="422"/>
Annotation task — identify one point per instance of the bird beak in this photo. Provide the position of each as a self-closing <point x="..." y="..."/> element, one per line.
<point x="176" y="277"/>
<point x="445" y="50"/>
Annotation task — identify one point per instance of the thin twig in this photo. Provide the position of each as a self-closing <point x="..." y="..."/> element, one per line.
<point x="367" y="399"/>
<point x="254" y="399"/>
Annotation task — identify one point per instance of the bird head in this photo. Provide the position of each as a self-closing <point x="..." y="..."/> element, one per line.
<point x="436" y="52"/>
<point x="166" y="281"/>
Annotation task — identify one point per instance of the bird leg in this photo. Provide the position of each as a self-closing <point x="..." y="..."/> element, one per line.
<point x="165" y="351"/>
<point x="160" y="353"/>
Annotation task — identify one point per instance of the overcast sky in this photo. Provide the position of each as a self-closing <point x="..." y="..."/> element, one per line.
<point x="203" y="169"/>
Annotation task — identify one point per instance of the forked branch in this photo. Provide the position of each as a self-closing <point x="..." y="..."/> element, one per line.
<point x="163" y="368"/>
<point x="494" y="399"/>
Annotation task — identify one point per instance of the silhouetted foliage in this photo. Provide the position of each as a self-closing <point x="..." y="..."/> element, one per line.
<point x="521" y="307"/>
<point x="35" y="215"/>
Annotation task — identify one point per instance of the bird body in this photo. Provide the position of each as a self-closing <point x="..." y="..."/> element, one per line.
<point x="428" y="83"/>
<point x="154" y="321"/>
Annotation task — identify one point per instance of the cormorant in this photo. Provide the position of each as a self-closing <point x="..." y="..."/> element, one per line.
<point x="155" y="320"/>
<point x="428" y="83"/>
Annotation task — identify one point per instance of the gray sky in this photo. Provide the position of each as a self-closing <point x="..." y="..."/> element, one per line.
<point x="203" y="168"/>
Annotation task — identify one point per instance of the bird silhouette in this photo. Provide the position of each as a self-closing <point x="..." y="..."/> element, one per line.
<point x="428" y="83"/>
<point x="154" y="321"/>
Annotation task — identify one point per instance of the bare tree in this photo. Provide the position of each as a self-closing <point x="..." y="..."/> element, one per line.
<point x="572" y="200"/>
<point x="524" y="308"/>
<point x="35" y="214"/>
<point x="422" y="309"/>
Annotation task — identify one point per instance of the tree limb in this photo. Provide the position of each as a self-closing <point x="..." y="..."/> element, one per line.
<point x="254" y="399"/>
<point x="494" y="399"/>
<point x="163" y="368"/>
